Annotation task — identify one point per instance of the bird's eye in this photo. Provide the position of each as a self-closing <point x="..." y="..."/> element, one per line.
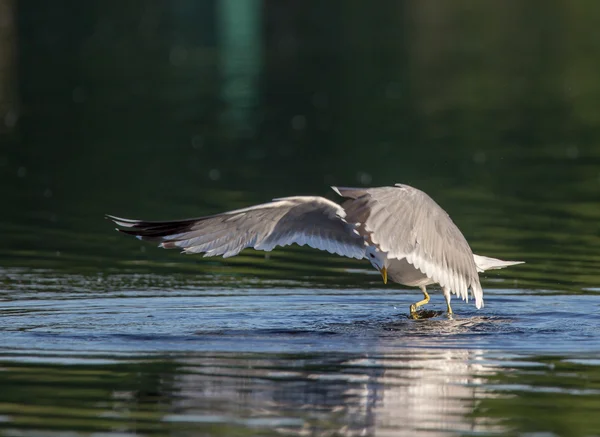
<point x="372" y="256"/>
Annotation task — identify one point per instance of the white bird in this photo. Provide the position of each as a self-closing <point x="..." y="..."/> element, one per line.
<point x="402" y="231"/>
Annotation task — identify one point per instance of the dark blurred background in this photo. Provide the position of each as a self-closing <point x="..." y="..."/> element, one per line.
<point x="166" y="110"/>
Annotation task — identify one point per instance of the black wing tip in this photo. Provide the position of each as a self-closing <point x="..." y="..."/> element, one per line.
<point x="126" y="226"/>
<point x="114" y="218"/>
<point x="122" y="222"/>
<point x="150" y="230"/>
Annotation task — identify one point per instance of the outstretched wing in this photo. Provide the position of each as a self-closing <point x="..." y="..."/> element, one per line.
<point x="313" y="221"/>
<point x="408" y="224"/>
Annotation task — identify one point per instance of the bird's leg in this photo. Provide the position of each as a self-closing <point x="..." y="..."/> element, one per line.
<point x="415" y="306"/>
<point x="448" y="296"/>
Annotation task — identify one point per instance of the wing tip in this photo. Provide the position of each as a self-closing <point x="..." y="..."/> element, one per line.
<point x="123" y="222"/>
<point x="477" y="293"/>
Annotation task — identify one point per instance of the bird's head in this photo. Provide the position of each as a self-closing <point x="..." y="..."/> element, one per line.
<point x="379" y="260"/>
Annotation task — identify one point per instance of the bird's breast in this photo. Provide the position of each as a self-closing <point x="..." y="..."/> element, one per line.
<point x="402" y="272"/>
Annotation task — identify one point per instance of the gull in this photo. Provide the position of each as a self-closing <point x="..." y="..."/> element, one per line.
<point x="402" y="231"/>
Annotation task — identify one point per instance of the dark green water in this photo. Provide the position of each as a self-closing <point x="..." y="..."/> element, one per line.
<point x="171" y="110"/>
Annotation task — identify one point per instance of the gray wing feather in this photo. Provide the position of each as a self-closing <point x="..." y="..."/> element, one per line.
<point x="408" y="224"/>
<point x="313" y="221"/>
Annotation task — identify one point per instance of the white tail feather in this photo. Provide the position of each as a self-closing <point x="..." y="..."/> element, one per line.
<point x="484" y="263"/>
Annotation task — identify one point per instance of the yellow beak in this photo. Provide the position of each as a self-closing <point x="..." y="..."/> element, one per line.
<point x="384" y="274"/>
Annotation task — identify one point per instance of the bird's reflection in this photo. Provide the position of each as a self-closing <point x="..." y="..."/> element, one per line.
<point x="433" y="391"/>
<point x="403" y="393"/>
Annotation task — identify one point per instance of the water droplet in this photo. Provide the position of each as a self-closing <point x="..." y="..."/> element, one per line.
<point x="197" y="141"/>
<point x="298" y="122"/>
<point x="479" y="157"/>
<point x="364" y="177"/>
<point x="11" y="118"/>
<point x="572" y="152"/>
<point x="214" y="174"/>
<point x="320" y="100"/>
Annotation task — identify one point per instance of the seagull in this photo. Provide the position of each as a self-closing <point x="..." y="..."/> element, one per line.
<point x="402" y="231"/>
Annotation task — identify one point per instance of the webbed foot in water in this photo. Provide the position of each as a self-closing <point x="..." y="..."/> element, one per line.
<point x="424" y="314"/>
